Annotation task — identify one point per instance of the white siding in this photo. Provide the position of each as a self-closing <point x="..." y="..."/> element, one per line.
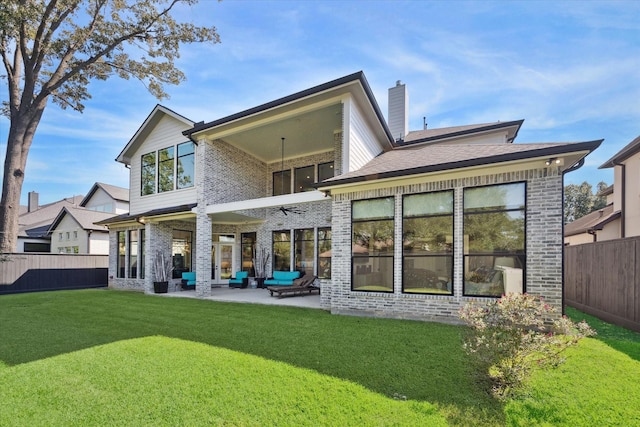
<point x="363" y="145"/>
<point x="68" y="225"/>
<point x="99" y="243"/>
<point x="100" y="199"/>
<point x="168" y="132"/>
<point x="121" y="207"/>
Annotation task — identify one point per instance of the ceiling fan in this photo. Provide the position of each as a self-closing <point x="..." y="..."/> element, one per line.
<point x="284" y="209"/>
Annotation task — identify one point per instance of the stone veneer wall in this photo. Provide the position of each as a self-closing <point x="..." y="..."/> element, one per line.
<point x="543" y="247"/>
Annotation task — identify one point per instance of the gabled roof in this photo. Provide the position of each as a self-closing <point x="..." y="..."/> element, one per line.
<point x="120" y="194"/>
<point x="441" y="134"/>
<point x="145" y="129"/>
<point x="357" y="77"/>
<point x="632" y="148"/>
<point x="84" y="217"/>
<point x="441" y="157"/>
<point x="594" y="221"/>
<point x="42" y="217"/>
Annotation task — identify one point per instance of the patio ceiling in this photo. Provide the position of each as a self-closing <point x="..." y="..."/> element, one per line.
<point x="306" y="133"/>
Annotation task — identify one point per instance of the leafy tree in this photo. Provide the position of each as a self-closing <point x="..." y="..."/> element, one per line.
<point x="52" y="49"/>
<point x="579" y="200"/>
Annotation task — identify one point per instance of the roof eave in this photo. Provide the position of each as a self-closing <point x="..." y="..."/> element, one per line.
<point x="495" y="126"/>
<point x="586" y="147"/>
<point x="629" y="150"/>
<point x="122" y="158"/>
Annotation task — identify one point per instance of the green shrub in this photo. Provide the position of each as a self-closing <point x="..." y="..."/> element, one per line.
<point x="508" y="337"/>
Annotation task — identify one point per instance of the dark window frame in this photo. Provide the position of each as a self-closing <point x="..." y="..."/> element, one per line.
<point x="521" y="256"/>
<point x="305" y="232"/>
<point x="450" y="255"/>
<point x="326" y="259"/>
<point x="363" y="257"/>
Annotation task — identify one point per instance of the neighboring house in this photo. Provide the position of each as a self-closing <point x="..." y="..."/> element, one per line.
<point x="626" y="187"/>
<point x="603" y="224"/>
<point x="73" y="231"/>
<point x="394" y="223"/>
<point x="621" y="217"/>
<point x="34" y="222"/>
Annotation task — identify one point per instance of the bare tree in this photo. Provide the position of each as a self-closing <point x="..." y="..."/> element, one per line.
<point x="52" y="49"/>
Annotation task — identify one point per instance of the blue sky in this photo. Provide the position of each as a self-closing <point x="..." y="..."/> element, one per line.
<point x="570" y="69"/>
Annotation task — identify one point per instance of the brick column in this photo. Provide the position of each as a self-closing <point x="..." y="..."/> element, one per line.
<point x="203" y="223"/>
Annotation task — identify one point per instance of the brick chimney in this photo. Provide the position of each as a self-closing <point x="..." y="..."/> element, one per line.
<point x="33" y="201"/>
<point x="398" y="116"/>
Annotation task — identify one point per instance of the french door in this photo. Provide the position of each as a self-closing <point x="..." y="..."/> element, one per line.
<point x="221" y="263"/>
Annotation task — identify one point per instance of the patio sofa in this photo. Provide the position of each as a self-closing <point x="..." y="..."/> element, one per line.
<point x="282" y="278"/>
<point x="240" y="281"/>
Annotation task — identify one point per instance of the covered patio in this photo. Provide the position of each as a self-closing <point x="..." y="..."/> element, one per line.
<point x="251" y="296"/>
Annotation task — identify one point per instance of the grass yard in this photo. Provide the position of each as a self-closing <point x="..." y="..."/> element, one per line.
<point x="102" y="357"/>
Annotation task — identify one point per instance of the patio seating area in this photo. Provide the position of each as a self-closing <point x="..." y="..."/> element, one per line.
<point x="251" y="296"/>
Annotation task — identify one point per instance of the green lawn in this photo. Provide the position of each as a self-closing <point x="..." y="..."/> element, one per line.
<point x="101" y="357"/>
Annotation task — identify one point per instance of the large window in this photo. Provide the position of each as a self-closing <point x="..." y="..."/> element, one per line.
<point x="133" y="253"/>
<point x="494" y="237"/>
<point x="282" y="250"/>
<point x="427" y="243"/>
<point x="120" y="261"/>
<point x="173" y="172"/>
<point x="186" y="165"/>
<point x="303" y="179"/>
<point x="247" y="248"/>
<point x="181" y="251"/>
<point x="303" y="248"/>
<point x="372" y="245"/>
<point x="165" y="169"/>
<point x="148" y="174"/>
<point x="324" y="253"/>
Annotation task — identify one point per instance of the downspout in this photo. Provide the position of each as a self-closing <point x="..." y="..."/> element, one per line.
<point x="623" y="199"/>
<point x="571" y="169"/>
<point x="89" y="241"/>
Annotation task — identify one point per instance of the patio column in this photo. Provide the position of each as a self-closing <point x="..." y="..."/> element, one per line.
<point x="203" y="223"/>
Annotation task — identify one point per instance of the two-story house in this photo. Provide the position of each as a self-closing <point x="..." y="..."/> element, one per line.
<point x="394" y="223"/>
<point x="620" y="217"/>
<point x="74" y="229"/>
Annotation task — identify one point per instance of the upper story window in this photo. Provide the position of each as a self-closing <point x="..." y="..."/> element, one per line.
<point x="325" y="171"/>
<point x="282" y="182"/>
<point x="163" y="171"/>
<point x="303" y="178"/>
<point x="148" y="174"/>
<point x="166" y="161"/>
<point x="186" y="165"/>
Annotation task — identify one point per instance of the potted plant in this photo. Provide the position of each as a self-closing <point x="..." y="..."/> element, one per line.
<point x="260" y="261"/>
<point x="162" y="268"/>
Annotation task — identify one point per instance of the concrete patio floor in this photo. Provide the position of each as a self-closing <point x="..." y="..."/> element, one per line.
<point x="252" y="296"/>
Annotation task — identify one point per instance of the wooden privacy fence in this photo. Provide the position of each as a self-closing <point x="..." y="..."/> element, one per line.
<point x="24" y="272"/>
<point x="602" y="279"/>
